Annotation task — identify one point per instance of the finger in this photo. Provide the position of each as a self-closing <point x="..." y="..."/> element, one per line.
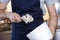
<point x="15" y="19"/>
<point x="12" y="18"/>
<point x="18" y="18"/>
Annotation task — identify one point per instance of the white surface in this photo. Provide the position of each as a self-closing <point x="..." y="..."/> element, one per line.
<point x="59" y="22"/>
<point x="42" y="32"/>
<point x="57" y="37"/>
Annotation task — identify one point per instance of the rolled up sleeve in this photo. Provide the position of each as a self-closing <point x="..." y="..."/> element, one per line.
<point x="50" y="2"/>
<point x="4" y="1"/>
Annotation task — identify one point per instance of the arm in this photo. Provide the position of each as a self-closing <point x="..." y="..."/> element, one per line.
<point x="52" y="19"/>
<point x="3" y="4"/>
<point x="14" y="17"/>
<point x="52" y="22"/>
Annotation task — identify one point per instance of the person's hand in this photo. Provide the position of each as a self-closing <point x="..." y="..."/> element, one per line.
<point x="14" y="17"/>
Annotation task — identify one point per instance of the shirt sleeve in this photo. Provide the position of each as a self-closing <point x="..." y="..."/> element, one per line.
<point x="4" y="1"/>
<point x="50" y="2"/>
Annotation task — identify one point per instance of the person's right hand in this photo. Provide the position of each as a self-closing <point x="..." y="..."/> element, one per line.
<point x="14" y="17"/>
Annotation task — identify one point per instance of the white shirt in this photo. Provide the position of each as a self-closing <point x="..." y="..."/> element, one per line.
<point x="48" y="3"/>
<point x="42" y="2"/>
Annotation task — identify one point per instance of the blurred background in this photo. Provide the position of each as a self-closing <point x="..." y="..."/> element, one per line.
<point x="5" y="24"/>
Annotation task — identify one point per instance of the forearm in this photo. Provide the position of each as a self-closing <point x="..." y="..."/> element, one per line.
<point x="2" y="10"/>
<point x="52" y="19"/>
<point x="4" y="14"/>
<point x="2" y="6"/>
<point x="52" y="24"/>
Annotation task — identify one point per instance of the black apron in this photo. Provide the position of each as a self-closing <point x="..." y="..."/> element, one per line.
<point x="22" y="7"/>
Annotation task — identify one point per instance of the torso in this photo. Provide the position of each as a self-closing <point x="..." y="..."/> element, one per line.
<point x="22" y="7"/>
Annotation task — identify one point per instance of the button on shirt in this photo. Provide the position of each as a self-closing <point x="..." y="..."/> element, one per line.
<point x="42" y="2"/>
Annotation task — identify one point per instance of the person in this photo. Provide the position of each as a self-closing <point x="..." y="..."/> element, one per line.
<point x="33" y="7"/>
